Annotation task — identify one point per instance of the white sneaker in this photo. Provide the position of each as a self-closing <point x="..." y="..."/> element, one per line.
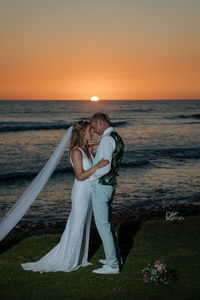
<point x="102" y="261"/>
<point x="107" y="270"/>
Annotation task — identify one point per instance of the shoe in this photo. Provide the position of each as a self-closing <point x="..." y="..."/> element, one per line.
<point x="102" y="261"/>
<point x="106" y="270"/>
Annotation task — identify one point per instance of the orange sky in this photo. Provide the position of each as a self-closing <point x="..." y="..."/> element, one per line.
<point x="110" y="48"/>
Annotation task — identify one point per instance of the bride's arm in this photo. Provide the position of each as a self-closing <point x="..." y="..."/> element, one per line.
<point x="77" y="160"/>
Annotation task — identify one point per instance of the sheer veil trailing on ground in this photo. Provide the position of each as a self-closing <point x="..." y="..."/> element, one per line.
<point x="15" y="214"/>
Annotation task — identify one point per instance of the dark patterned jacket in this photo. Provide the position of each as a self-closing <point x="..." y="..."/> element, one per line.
<point x="110" y="178"/>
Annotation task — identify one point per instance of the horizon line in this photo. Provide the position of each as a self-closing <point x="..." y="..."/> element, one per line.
<point x="169" y="99"/>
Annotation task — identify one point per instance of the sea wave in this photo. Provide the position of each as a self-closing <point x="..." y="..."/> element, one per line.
<point x="118" y="124"/>
<point x="7" y="177"/>
<point x="135" y="164"/>
<point x="138" y="110"/>
<point x="15" y="176"/>
<point x="26" y="126"/>
<point x="183" y="153"/>
<point x="131" y="159"/>
<point x="192" y="116"/>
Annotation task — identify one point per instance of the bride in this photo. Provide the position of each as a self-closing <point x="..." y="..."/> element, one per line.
<point x="71" y="252"/>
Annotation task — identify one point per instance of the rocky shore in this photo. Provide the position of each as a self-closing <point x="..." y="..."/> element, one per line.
<point x="120" y="216"/>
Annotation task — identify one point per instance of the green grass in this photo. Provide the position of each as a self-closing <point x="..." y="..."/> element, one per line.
<point x="175" y="243"/>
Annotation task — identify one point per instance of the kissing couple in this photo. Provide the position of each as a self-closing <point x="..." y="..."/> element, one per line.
<point x="93" y="189"/>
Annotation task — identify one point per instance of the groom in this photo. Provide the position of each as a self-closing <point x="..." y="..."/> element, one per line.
<point x="103" y="180"/>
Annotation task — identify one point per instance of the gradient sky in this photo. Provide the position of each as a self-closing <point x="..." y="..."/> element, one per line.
<point x="114" y="49"/>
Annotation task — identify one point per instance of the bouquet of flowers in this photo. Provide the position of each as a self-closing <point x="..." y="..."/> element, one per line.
<point x="156" y="272"/>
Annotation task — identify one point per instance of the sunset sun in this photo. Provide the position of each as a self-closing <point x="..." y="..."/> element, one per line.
<point x="94" y="98"/>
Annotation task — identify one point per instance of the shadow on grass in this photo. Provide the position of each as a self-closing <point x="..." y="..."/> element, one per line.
<point x="127" y="231"/>
<point x="15" y="237"/>
<point x="9" y="242"/>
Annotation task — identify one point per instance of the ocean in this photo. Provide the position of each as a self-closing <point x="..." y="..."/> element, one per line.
<point x="160" y="166"/>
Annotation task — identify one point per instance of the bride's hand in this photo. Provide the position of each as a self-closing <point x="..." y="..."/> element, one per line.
<point x="102" y="163"/>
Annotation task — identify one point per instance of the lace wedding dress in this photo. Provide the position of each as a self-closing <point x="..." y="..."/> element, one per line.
<point x="71" y="252"/>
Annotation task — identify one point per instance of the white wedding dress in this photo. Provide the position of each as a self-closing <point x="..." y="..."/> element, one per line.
<point x="71" y="252"/>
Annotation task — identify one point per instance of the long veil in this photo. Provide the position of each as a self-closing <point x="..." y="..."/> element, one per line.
<point x="19" y="209"/>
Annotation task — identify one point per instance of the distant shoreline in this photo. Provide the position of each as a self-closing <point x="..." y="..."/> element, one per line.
<point x="101" y="100"/>
<point x="26" y="229"/>
<point x="138" y="214"/>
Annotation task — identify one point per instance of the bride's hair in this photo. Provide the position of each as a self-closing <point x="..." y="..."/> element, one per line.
<point x="77" y="135"/>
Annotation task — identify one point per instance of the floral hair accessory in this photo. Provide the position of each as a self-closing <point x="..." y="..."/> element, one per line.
<point x="80" y="124"/>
